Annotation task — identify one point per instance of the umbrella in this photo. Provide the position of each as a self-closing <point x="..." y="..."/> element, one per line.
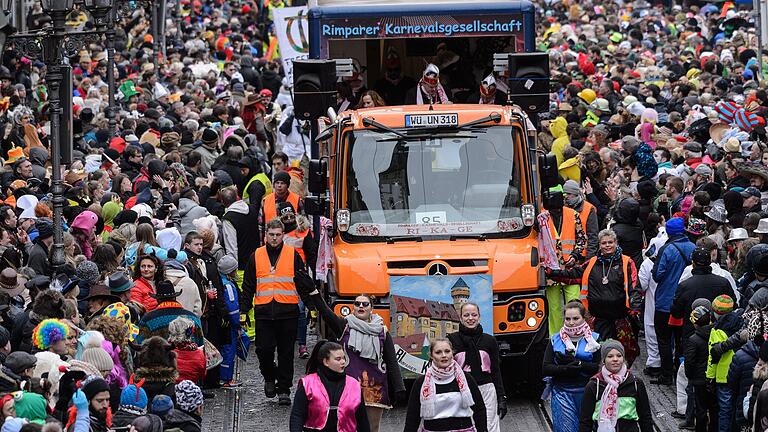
<point x="735" y="22"/>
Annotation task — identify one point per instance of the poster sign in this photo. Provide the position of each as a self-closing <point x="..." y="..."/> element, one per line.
<point x="433" y="223"/>
<point x="291" y="31"/>
<point x="423" y="308"/>
<point x="422" y="26"/>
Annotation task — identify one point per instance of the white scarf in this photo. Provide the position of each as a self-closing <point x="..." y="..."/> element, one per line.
<point x="364" y="338"/>
<point x="440" y="94"/>
<point x="428" y="394"/>
<point x="609" y="402"/>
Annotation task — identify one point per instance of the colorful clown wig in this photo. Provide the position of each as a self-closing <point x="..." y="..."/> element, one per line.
<point x="49" y="332"/>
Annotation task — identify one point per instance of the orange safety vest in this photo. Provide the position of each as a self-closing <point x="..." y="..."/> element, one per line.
<point x="567" y="234"/>
<point x="625" y="261"/>
<point x="270" y="205"/>
<point x="586" y="209"/>
<point x="275" y="283"/>
<point x="295" y="239"/>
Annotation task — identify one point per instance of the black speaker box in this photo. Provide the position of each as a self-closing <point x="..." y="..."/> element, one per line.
<point x="529" y="81"/>
<point x="314" y="88"/>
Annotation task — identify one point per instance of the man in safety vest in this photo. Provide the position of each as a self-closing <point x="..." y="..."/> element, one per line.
<point x="257" y="184"/>
<point x="299" y="236"/>
<point x="280" y="194"/>
<point x="273" y="276"/>
<point x="574" y="199"/>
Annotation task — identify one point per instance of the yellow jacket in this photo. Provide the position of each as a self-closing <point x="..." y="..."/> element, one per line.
<point x="558" y="128"/>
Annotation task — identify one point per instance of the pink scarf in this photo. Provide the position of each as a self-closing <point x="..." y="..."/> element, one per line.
<point x="567" y="333"/>
<point x="609" y="403"/>
<point x="428" y="394"/>
<point x="324" y="250"/>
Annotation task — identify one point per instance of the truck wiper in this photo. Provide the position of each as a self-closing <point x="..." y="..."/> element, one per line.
<point x="494" y="117"/>
<point x="478" y="237"/>
<point x="393" y="240"/>
<point x="380" y="127"/>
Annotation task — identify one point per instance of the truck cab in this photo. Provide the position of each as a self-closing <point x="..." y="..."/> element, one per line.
<point x="436" y="190"/>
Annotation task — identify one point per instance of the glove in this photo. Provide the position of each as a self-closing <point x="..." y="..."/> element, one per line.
<point x="80" y="401"/>
<point x="502" y="410"/>
<point x="564" y="359"/>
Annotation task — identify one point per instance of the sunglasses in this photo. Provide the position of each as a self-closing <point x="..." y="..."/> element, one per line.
<point x="362" y="304"/>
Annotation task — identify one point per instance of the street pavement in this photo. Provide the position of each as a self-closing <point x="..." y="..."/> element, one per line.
<point x="248" y="409"/>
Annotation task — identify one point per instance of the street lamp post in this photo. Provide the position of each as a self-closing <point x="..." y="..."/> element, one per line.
<point x="54" y="45"/>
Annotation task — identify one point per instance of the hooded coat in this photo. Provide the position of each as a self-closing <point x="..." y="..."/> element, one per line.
<point x="558" y="128"/>
<point x="629" y="230"/>
<point x="39" y="157"/>
<point x="190" y="295"/>
<point x="189" y="210"/>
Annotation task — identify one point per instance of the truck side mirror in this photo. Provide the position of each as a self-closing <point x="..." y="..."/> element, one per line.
<point x="315" y="205"/>
<point x="548" y="172"/>
<point x="318" y="176"/>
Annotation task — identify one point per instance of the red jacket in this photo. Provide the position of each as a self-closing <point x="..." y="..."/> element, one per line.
<point x="140" y="293"/>
<point x="191" y="365"/>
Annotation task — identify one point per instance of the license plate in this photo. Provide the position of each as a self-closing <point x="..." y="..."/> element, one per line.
<point x="422" y="120"/>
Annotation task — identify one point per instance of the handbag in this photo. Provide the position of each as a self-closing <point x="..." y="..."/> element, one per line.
<point x="213" y="357"/>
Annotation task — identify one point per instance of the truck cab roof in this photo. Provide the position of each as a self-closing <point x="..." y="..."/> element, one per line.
<point x="394" y="116"/>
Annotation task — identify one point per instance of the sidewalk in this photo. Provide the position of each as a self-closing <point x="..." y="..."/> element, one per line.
<point x="662" y="398"/>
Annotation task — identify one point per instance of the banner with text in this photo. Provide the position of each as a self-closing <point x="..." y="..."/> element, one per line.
<point x="291" y="31"/>
<point x="422" y="26"/>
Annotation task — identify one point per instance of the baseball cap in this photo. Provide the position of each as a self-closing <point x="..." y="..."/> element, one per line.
<point x="750" y="191"/>
<point x="704" y="170"/>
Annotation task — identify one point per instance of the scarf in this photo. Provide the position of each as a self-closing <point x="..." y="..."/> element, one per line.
<point x="364" y="338"/>
<point x="428" y="394"/>
<point x="568" y="333"/>
<point x="324" y="250"/>
<point x="547" y="248"/>
<point x="435" y="94"/>
<point x="606" y="259"/>
<point x="609" y="409"/>
<point x="470" y="338"/>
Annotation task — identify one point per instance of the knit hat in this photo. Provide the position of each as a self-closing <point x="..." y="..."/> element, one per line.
<point x="227" y="264"/>
<point x="210" y="136"/>
<point x="48" y="333"/>
<point x="701" y="302"/>
<point x="170" y="139"/>
<point x="148" y="423"/>
<point x="571" y="187"/>
<point x="94" y="385"/>
<point x="19" y="361"/>
<point x="189" y="397"/>
<point x="607" y="346"/>
<point x="44" y="228"/>
<point x="134" y="396"/>
<point x="88" y="272"/>
<point x="675" y="226"/>
<point x="162" y="405"/>
<point x="282" y="176"/>
<point x="722" y="305"/>
<point x="14" y="424"/>
<point x="94" y="354"/>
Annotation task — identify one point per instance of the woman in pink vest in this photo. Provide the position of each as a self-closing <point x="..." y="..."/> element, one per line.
<point x="327" y="399"/>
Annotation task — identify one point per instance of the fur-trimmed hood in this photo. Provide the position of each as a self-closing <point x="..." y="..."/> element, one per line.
<point x="761" y="372"/>
<point x="157" y="374"/>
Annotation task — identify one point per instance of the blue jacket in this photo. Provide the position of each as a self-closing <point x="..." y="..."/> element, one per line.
<point x="740" y="376"/>
<point x="669" y="267"/>
<point x="231" y="300"/>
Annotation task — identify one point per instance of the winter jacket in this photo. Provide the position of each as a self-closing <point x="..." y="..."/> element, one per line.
<point x="158" y="380"/>
<point x="190" y="296"/>
<point x="208" y="156"/>
<point x="719" y="271"/>
<point x="140" y="293"/>
<point x="740" y="376"/>
<point x="702" y="284"/>
<point x="718" y="369"/>
<point x="189" y="211"/>
<point x="668" y="267"/>
<point x="569" y="369"/>
<point x="696" y="352"/>
<point x="634" y="407"/>
<point x="191" y="365"/>
<point x="39" y="157"/>
<point x="558" y="129"/>
<point x="629" y="230"/>
<point x="229" y="232"/>
<point x="38" y="259"/>
<point x="183" y="421"/>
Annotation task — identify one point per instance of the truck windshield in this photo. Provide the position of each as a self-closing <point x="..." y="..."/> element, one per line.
<point x="449" y="183"/>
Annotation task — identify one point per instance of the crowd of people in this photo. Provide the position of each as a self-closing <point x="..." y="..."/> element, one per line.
<point x="659" y="222"/>
<point x="186" y="239"/>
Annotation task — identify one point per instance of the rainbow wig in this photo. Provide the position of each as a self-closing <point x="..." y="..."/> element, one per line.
<point x="49" y="332"/>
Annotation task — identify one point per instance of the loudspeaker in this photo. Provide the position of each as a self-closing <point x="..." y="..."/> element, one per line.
<point x="529" y="81"/>
<point x="314" y="88"/>
<point x="548" y="171"/>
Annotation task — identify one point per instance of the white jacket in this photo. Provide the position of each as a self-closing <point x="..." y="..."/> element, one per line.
<point x="190" y="296"/>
